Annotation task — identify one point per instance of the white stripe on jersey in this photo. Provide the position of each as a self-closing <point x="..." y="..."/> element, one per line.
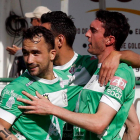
<point x="7" y="116"/>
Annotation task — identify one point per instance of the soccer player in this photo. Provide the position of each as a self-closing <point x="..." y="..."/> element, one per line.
<point x="100" y="108"/>
<point x="39" y="53"/>
<point x="80" y="68"/>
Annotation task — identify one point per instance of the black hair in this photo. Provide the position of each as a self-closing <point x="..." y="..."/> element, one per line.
<point x="37" y="32"/>
<point x="60" y="24"/>
<point x="115" y="24"/>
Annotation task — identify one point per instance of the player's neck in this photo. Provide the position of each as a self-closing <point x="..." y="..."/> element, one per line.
<point x="48" y="73"/>
<point x="101" y="57"/>
<point x="64" y="57"/>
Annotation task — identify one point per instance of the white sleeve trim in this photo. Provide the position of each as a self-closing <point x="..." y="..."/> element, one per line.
<point x="111" y="102"/>
<point x="7" y="116"/>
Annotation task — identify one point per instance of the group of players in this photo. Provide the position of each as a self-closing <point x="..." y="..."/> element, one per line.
<point x="62" y="86"/>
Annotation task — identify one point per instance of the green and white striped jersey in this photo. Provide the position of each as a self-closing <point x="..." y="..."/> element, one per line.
<point x="79" y="70"/>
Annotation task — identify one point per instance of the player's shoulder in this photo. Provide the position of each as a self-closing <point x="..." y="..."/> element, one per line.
<point x="125" y="68"/>
<point x="21" y="81"/>
<point x="125" y="71"/>
<point x="86" y="59"/>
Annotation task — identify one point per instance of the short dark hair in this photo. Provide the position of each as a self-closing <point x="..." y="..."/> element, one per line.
<point x="60" y="24"/>
<point x="34" y="31"/>
<point x="115" y="24"/>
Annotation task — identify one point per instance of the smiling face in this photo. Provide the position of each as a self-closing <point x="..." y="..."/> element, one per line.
<point x="96" y="38"/>
<point x="38" y="60"/>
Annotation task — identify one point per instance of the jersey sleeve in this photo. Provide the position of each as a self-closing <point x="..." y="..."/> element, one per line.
<point x="8" y="102"/>
<point x="121" y="86"/>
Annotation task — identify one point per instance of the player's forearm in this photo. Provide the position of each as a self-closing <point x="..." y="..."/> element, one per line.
<point x="132" y="134"/>
<point x="131" y="58"/>
<point x="87" y="121"/>
<point x="132" y="131"/>
<point x="6" y="134"/>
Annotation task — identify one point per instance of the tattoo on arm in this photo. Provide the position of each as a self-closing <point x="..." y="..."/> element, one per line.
<point x="6" y="132"/>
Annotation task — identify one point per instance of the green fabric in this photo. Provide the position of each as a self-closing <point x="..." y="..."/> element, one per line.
<point x="35" y="127"/>
<point x="79" y="73"/>
<point x="116" y="88"/>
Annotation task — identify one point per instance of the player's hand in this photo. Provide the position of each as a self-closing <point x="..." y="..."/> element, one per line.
<point x="40" y="105"/>
<point x="108" y="68"/>
<point x="13" y="50"/>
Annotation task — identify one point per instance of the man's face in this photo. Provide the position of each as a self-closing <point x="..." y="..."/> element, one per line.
<point x="48" y="26"/>
<point x="35" y="21"/>
<point x="37" y="58"/>
<point x="96" y="38"/>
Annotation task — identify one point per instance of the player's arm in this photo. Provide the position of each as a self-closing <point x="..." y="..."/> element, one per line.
<point x="132" y="130"/>
<point x="12" y="50"/>
<point x="92" y="122"/>
<point x="131" y="58"/>
<point x="110" y="64"/>
<point x="5" y="134"/>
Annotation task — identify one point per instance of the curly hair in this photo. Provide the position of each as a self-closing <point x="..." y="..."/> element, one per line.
<point x="38" y="32"/>
<point x="115" y="24"/>
<point x="60" y="24"/>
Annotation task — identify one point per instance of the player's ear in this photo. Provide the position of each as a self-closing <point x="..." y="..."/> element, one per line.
<point x="110" y="40"/>
<point x="60" y="40"/>
<point x="52" y="54"/>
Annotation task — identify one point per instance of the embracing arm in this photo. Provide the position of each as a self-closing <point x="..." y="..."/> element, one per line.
<point x="92" y="122"/>
<point x="131" y="58"/>
<point x="5" y="134"/>
<point x="111" y="63"/>
<point x="95" y="123"/>
<point x="132" y="131"/>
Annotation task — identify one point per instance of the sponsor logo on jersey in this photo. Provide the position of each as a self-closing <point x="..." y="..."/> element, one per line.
<point x="78" y="132"/>
<point x="11" y="93"/>
<point x="28" y="84"/>
<point x="119" y="82"/>
<point x="114" y="91"/>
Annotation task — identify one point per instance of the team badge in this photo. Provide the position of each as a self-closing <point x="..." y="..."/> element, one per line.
<point x="46" y="96"/>
<point x="72" y="69"/>
<point x="10" y="102"/>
